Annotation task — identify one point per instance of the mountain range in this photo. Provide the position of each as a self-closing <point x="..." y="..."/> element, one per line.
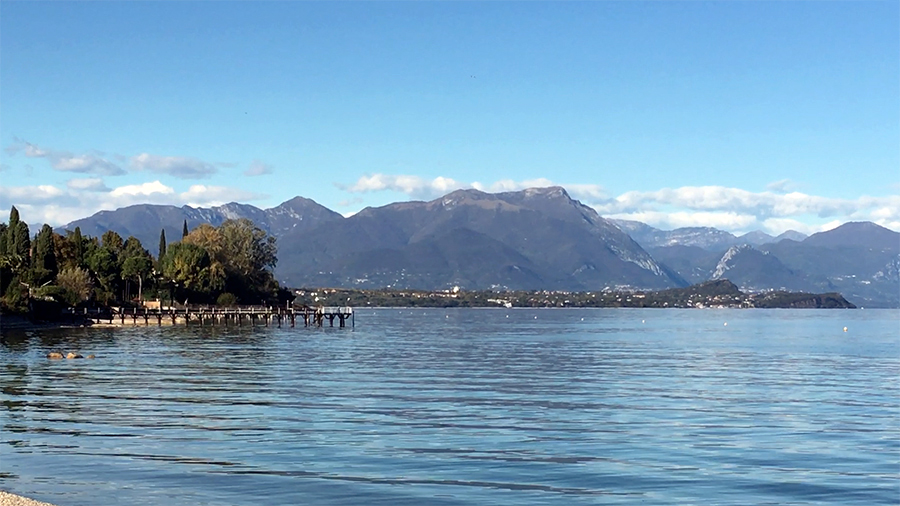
<point x="538" y="238"/>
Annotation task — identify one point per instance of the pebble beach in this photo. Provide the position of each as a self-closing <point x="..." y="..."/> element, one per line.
<point x="7" y="499"/>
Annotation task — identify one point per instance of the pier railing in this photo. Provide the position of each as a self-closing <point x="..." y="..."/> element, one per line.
<point x="216" y="315"/>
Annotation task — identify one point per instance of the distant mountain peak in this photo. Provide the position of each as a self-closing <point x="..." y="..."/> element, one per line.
<point x="725" y="263"/>
<point x="856" y="232"/>
<point x="790" y="234"/>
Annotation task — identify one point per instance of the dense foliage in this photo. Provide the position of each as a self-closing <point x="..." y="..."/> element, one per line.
<point x="229" y="264"/>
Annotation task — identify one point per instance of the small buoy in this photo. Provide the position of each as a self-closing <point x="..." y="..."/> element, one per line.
<point x="582" y="319"/>
<point x="726" y="324"/>
<point x="446" y="316"/>
<point x="845" y="329"/>
<point x="507" y="316"/>
<point x="535" y="317"/>
<point x="642" y="321"/>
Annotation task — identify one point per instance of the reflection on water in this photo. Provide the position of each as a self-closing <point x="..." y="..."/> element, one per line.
<point x="462" y="407"/>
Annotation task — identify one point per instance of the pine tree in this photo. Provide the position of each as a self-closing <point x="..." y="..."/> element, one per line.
<point x="162" y="245"/>
<point x="184" y="231"/>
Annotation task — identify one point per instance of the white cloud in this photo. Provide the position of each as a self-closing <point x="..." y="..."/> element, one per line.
<point x="200" y="195"/>
<point x="93" y="184"/>
<point x="420" y="188"/>
<point x="143" y="190"/>
<point x="65" y="161"/>
<point x="413" y="186"/>
<point x="183" y="167"/>
<point x="34" y="195"/>
<point x="733" y="209"/>
<point x="777" y="226"/>
<point x="781" y="186"/>
<point x="762" y="204"/>
<point x="258" y="168"/>
<point x="82" y="198"/>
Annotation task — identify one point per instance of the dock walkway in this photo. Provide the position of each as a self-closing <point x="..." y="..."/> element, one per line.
<point x="214" y="315"/>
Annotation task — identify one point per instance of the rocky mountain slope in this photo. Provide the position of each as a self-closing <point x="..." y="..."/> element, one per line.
<point x="532" y="239"/>
<point x="708" y="238"/>
<point x="145" y="221"/>
<point x="860" y="260"/>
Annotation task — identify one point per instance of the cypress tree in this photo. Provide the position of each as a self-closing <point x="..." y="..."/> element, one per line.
<point x="43" y="259"/>
<point x="162" y="244"/>
<point x="18" y="244"/>
<point x="184" y="231"/>
<point x="77" y="247"/>
<point x="11" y="231"/>
<point x="4" y="230"/>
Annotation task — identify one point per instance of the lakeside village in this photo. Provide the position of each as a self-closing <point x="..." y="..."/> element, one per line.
<point x="710" y="294"/>
<point x="49" y="275"/>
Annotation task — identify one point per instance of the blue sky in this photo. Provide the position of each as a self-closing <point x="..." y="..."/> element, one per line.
<point x="739" y="115"/>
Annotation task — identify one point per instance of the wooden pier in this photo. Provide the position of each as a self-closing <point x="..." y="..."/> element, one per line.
<point x="213" y="315"/>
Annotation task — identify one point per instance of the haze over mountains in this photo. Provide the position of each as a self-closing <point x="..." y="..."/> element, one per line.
<point x="532" y="239"/>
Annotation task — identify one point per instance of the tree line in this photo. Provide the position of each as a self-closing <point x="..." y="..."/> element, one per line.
<point x="229" y="264"/>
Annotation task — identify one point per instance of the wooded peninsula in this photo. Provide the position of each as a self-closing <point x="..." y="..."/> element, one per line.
<point x="225" y="265"/>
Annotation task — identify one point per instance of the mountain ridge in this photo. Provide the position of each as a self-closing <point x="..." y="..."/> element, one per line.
<point x="537" y="238"/>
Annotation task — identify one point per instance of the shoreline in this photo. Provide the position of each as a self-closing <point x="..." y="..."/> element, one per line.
<point x="10" y="499"/>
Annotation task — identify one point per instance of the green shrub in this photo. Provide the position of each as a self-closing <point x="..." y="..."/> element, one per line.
<point x="226" y="299"/>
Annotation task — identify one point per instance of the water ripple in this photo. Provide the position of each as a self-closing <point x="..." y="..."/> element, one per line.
<point x="462" y="407"/>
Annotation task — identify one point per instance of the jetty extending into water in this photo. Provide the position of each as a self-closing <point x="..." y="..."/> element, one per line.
<point x="214" y="315"/>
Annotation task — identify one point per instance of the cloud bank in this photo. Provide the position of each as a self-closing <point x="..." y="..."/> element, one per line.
<point x="182" y="167"/>
<point x="258" y="168"/>
<point x="65" y="161"/>
<point x="84" y="197"/>
<point x="733" y="209"/>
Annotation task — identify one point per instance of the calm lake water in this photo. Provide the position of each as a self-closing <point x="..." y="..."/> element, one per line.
<point x="475" y="407"/>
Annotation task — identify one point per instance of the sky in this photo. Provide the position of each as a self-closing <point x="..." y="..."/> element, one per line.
<point x="738" y="115"/>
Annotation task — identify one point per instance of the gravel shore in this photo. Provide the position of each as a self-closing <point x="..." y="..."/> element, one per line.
<point x="7" y="499"/>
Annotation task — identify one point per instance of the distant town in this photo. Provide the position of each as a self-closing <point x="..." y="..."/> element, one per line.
<point x="711" y="294"/>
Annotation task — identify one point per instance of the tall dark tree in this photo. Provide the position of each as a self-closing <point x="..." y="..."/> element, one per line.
<point x="162" y="244"/>
<point x="184" y="230"/>
<point x="77" y="247"/>
<point x="105" y="266"/>
<point x="5" y="268"/>
<point x="11" y="230"/>
<point x="18" y="243"/>
<point x="43" y="258"/>
<point x="3" y="231"/>
<point x="136" y="265"/>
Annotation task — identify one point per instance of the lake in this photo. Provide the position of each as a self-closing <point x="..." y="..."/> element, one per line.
<point x="462" y="407"/>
